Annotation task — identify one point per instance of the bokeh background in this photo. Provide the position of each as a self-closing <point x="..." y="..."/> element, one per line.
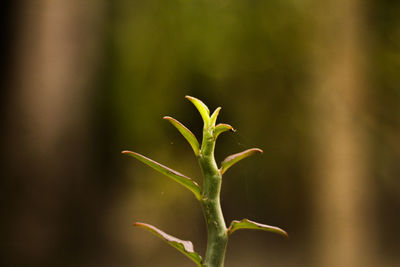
<point x="315" y="84"/>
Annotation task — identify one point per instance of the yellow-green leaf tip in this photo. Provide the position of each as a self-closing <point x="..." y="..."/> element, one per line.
<point x="176" y="176"/>
<point x="202" y="108"/>
<point x="186" y="133"/>
<point x="214" y="116"/>
<point x="233" y="159"/>
<point x="184" y="246"/>
<point x="251" y="225"/>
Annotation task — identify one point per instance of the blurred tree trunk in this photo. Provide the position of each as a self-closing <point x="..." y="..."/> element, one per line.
<point x="342" y="192"/>
<point x="47" y="135"/>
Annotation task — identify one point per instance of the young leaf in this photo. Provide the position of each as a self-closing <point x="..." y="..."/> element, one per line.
<point x="202" y="108"/>
<point x="186" y="247"/>
<point x="214" y="116"/>
<point x="247" y="224"/>
<point x="232" y="159"/>
<point x="189" y="136"/>
<point x="222" y="127"/>
<point x="178" y="177"/>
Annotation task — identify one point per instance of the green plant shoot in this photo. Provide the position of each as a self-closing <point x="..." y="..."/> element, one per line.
<point x="209" y="195"/>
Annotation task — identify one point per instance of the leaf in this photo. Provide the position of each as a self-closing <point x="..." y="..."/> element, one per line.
<point x="202" y="108"/>
<point x="178" y="177"/>
<point x="189" y="136"/>
<point x="214" y="116"/>
<point x="222" y="127"/>
<point x="247" y="224"/>
<point x="186" y="247"/>
<point x="232" y="159"/>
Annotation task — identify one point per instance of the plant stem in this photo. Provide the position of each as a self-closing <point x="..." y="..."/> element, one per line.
<point x="217" y="236"/>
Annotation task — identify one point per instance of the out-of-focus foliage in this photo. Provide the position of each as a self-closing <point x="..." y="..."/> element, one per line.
<point x="383" y="119"/>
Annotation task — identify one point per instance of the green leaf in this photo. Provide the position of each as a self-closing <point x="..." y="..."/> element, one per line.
<point x="178" y="177"/>
<point x="247" y="224"/>
<point x="222" y="127"/>
<point x="232" y="159"/>
<point x="189" y="136"/>
<point x="186" y="247"/>
<point x="214" y="116"/>
<point x="202" y="108"/>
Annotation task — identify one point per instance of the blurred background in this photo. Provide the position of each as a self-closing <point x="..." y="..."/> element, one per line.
<point x="315" y="84"/>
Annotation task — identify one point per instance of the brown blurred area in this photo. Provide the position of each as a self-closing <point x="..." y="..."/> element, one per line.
<point x="315" y="84"/>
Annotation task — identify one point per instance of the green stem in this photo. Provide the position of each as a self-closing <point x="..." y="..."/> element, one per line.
<point x="217" y="236"/>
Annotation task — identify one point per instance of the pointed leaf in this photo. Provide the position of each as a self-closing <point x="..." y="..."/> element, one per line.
<point x="222" y="127"/>
<point x="232" y="159"/>
<point x="202" y="108"/>
<point x="189" y="136"/>
<point x="247" y="224"/>
<point x="214" y="116"/>
<point x="178" y="177"/>
<point x="186" y="247"/>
